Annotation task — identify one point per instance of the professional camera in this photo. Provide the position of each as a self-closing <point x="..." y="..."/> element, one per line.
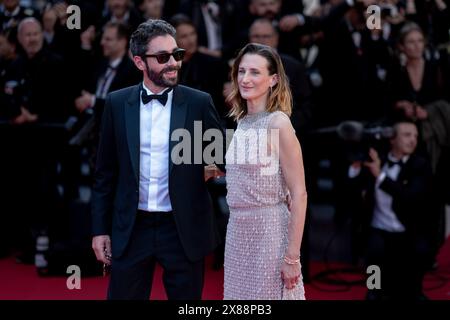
<point x="359" y="138"/>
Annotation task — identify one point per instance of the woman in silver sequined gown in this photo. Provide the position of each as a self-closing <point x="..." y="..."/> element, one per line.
<point x="264" y="169"/>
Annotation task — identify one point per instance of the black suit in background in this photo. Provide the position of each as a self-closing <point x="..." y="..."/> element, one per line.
<point x="301" y="94"/>
<point x="206" y="73"/>
<point x="126" y="75"/>
<point x="403" y="257"/>
<point x="226" y="20"/>
<point x="40" y="87"/>
<point x="179" y="240"/>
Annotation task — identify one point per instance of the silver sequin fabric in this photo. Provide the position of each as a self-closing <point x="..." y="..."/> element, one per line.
<point x="257" y="232"/>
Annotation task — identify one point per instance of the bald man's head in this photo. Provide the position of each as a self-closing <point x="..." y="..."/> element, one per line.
<point x="30" y="36"/>
<point x="263" y="32"/>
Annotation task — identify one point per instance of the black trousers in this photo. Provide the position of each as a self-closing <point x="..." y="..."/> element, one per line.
<point x="155" y="239"/>
<point x="402" y="260"/>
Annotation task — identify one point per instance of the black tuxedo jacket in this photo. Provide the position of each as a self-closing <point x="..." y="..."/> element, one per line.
<point x="116" y="187"/>
<point x="412" y="196"/>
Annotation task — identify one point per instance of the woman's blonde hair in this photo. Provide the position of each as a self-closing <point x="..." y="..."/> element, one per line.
<point x="280" y="97"/>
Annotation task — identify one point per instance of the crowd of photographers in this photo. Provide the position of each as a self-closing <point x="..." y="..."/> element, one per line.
<point x="54" y="80"/>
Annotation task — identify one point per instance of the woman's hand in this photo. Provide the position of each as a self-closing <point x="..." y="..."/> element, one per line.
<point x="290" y="273"/>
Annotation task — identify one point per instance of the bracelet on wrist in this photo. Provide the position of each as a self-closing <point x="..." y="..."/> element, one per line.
<point x="291" y="261"/>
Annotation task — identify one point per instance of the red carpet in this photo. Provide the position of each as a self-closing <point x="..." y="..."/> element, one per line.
<point x="20" y="282"/>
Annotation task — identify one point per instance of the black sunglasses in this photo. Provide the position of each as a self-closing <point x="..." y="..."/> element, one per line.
<point x="178" y="55"/>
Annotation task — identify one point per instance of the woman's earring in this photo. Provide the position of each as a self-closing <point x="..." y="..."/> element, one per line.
<point x="270" y="90"/>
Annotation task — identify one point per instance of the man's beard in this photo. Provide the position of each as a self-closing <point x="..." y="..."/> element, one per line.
<point x="158" y="78"/>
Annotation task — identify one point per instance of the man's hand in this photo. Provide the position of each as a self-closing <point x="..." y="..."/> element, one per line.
<point x="289" y="22"/>
<point x="440" y="5"/>
<point x="211" y="171"/>
<point x="421" y="113"/>
<point x="84" y="101"/>
<point x="374" y="165"/>
<point x="407" y="107"/>
<point x="356" y="165"/>
<point x="102" y="248"/>
<point x="61" y="11"/>
<point x="87" y="38"/>
<point x="25" y="117"/>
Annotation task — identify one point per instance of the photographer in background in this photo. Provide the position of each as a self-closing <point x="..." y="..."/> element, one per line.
<point x="399" y="214"/>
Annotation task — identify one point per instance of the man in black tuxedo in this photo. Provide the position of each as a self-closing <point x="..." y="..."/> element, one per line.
<point x="400" y="215"/>
<point x="147" y="206"/>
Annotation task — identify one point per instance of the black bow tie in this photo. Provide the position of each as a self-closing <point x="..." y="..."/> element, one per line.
<point x="162" y="98"/>
<point x="391" y="163"/>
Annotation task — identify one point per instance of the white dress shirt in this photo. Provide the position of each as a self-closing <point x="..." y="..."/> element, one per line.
<point x="105" y="81"/>
<point x="213" y="31"/>
<point x="154" y="155"/>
